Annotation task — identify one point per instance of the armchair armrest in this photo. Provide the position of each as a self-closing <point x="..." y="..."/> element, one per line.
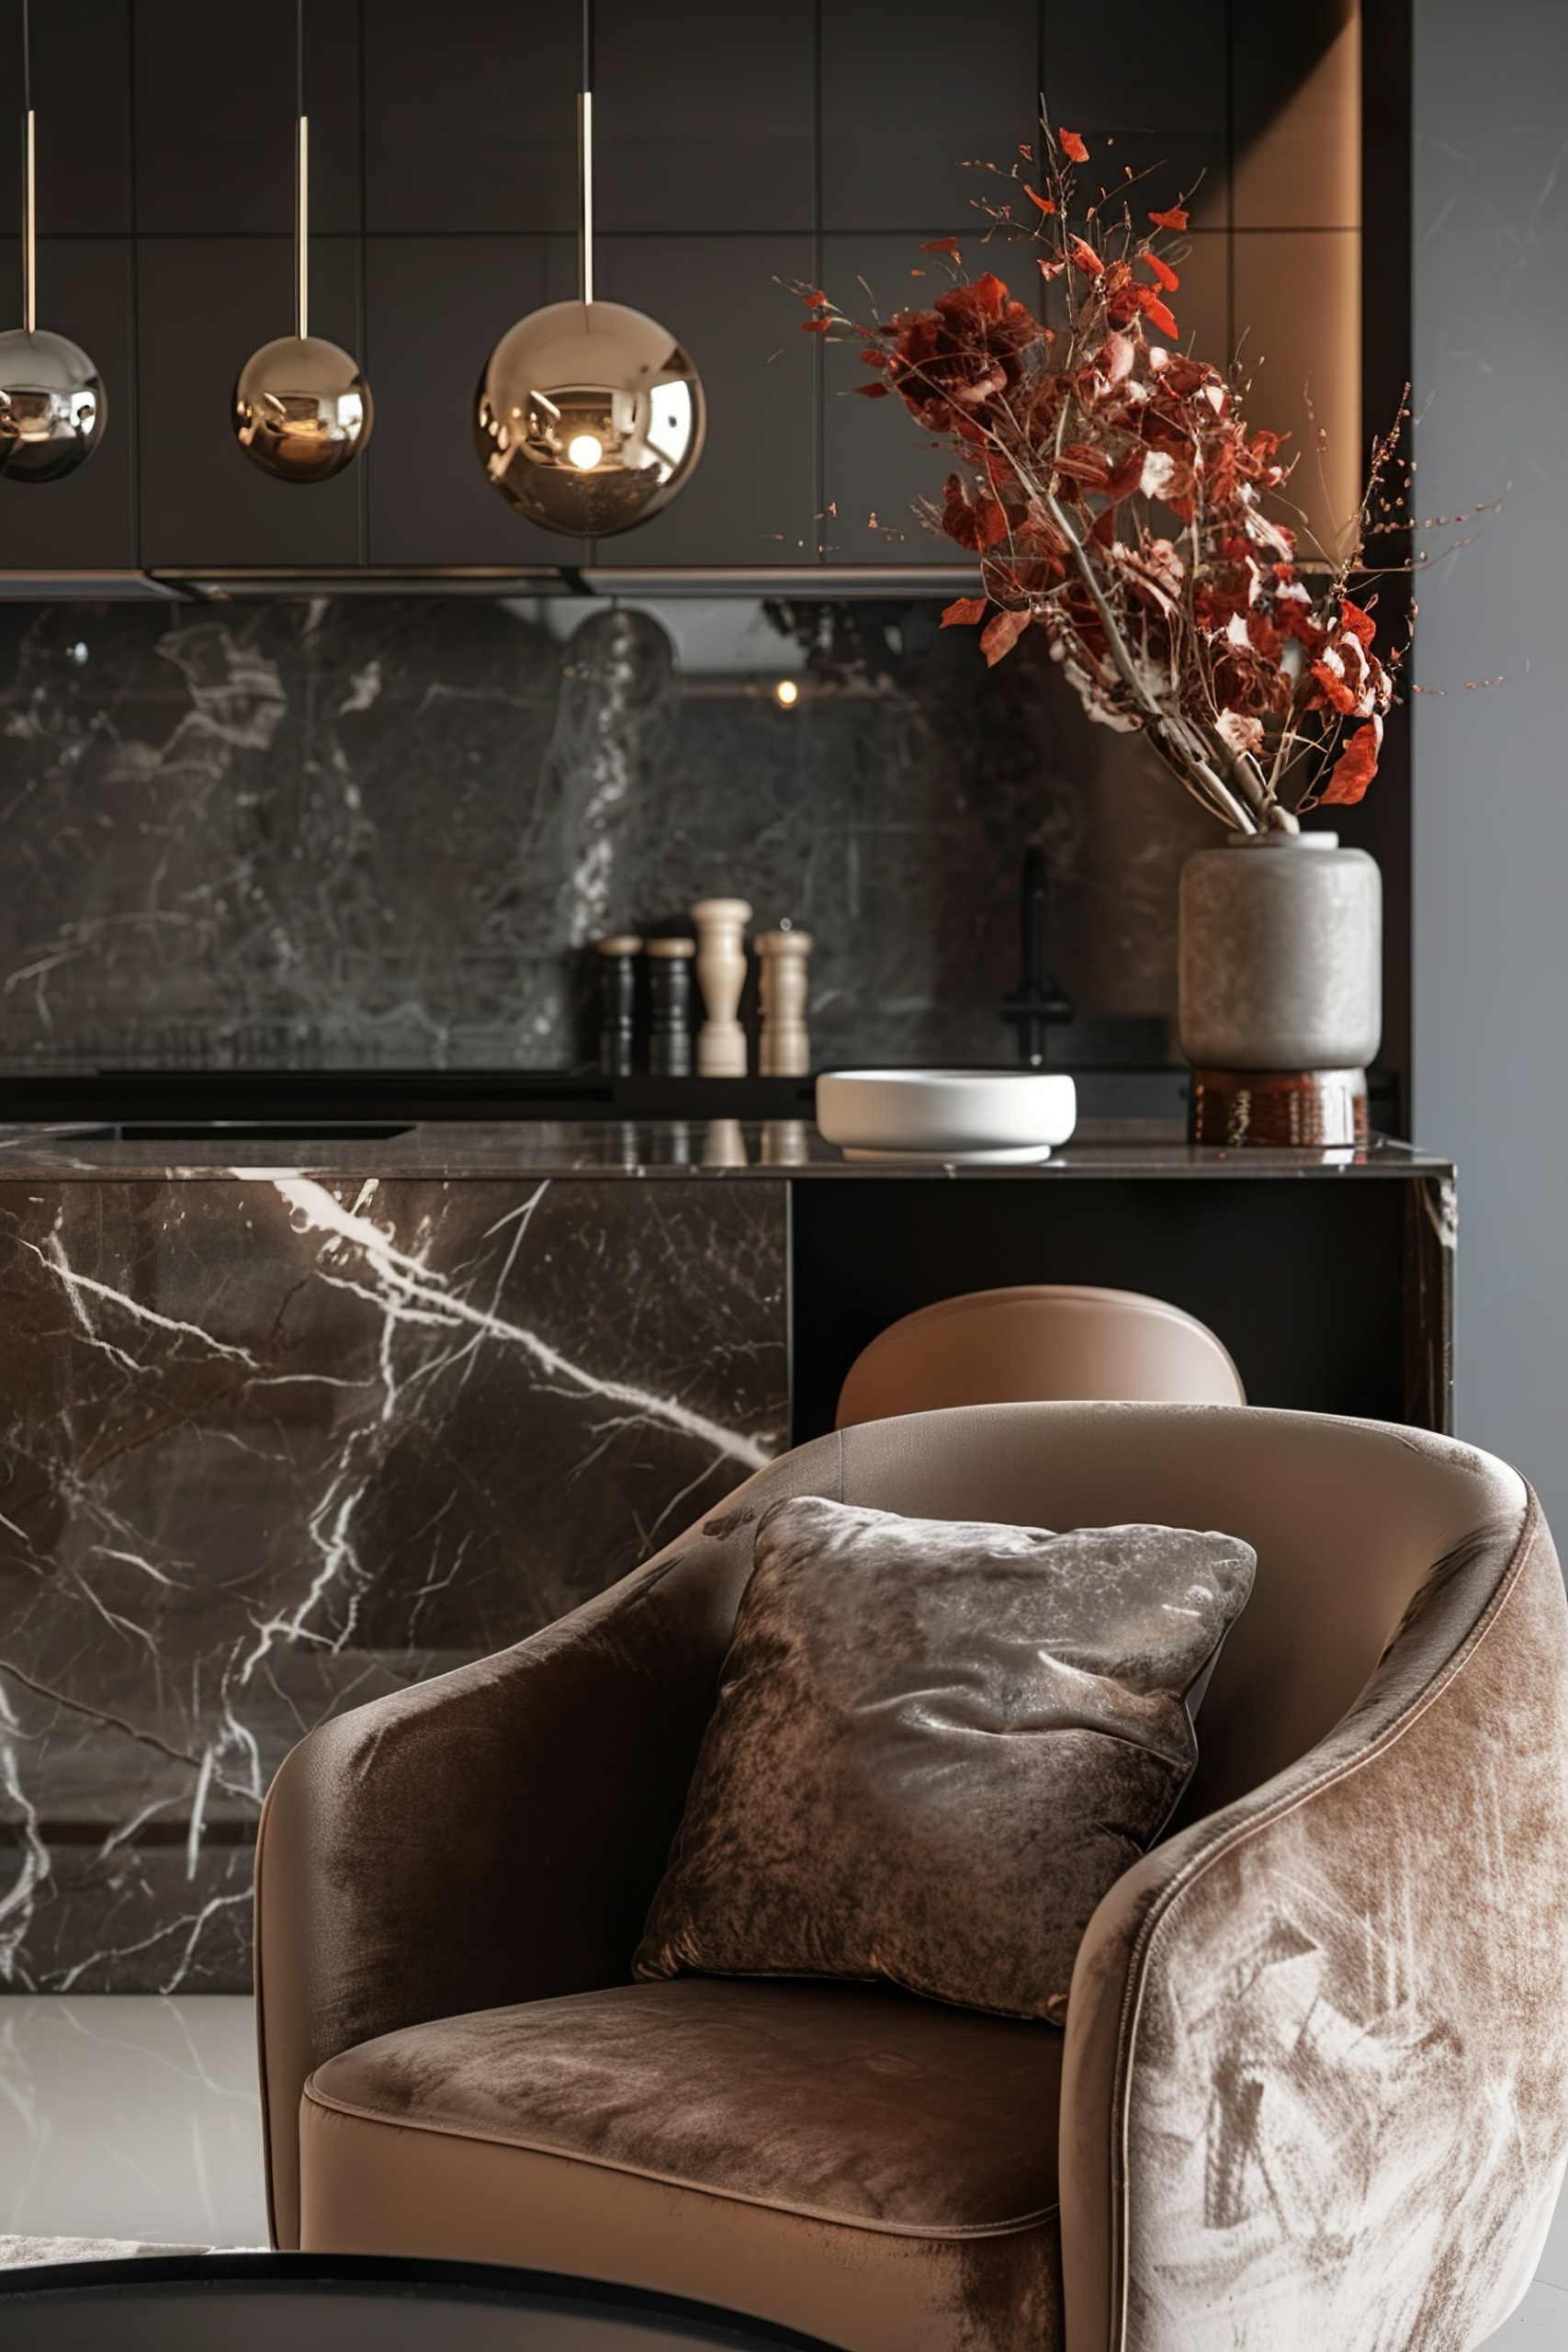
<point x="1316" y="2074"/>
<point x="496" y="1834"/>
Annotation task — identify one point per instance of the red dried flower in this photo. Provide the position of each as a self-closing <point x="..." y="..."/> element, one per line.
<point x="949" y="362"/>
<point x="1354" y="767"/>
<point x="973" y="523"/>
<point x="1114" y="494"/>
<point x="999" y="635"/>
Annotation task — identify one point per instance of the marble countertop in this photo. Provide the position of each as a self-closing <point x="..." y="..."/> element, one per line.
<point x="658" y="1149"/>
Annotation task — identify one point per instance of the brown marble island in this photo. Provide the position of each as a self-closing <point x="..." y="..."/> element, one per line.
<point x="290" y="1420"/>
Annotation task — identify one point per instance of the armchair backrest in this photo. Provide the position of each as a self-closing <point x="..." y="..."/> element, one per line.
<point x="1034" y="1341"/>
<point x="1349" y="1519"/>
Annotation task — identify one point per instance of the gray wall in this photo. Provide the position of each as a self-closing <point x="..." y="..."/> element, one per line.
<point x="1490" y="798"/>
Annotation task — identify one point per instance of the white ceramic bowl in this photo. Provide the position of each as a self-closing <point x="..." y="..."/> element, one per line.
<point x="990" y="1114"/>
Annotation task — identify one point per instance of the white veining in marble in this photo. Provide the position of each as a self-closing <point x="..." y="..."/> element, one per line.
<point x="409" y="1290"/>
<point x="275" y="1444"/>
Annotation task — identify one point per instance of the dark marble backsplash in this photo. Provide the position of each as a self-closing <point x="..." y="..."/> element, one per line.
<point x="357" y="832"/>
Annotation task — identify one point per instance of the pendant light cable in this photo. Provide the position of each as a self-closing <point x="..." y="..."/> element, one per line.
<point x="29" y="176"/>
<point x="586" y="159"/>
<point x="302" y="182"/>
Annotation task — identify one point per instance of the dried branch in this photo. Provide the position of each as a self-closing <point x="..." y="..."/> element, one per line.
<point x="1114" y="494"/>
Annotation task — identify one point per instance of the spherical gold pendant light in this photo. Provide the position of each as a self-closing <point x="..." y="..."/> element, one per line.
<point x="590" y="416"/>
<point x="52" y="406"/>
<point x="302" y="408"/>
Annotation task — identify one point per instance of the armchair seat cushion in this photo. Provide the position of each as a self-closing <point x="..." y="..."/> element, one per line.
<point x="868" y="2168"/>
<point x="849" y="2104"/>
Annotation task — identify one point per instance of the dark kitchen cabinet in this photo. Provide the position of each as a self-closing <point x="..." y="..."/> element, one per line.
<point x="435" y="308"/>
<point x="86" y="522"/>
<point x="1152" y="103"/>
<point x="875" y="460"/>
<point x="733" y="149"/>
<point x="471" y="118"/>
<point x="205" y="305"/>
<point x="752" y="499"/>
<point x="908" y="101"/>
<point x="81" y="99"/>
<point x="215" y="117"/>
<point x="1295" y="86"/>
<point x="702" y="124"/>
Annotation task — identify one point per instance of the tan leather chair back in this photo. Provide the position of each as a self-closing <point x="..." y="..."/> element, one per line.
<point x="1038" y="1343"/>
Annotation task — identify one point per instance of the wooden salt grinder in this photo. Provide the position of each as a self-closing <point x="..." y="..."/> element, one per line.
<point x="785" y="1049"/>
<point x="721" y="975"/>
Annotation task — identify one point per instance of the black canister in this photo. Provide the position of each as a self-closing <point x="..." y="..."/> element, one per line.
<point x="670" y="976"/>
<point x="617" y="1002"/>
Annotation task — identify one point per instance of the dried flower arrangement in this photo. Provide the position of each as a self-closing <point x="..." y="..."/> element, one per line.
<point x="1114" y="492"/>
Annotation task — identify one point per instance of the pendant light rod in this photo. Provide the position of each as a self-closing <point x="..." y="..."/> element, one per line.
<point x="586" y="159"/>
<point x="302" y="182"/>
<point x="302" y="227"/>
<point x="30" y="183"/>
<point x="30" y="253"/>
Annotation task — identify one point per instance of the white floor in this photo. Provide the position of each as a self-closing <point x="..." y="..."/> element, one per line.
<point x="1541" y="2320"/>
<point x="124" y="2117"/>
<point x="130" y="2118"/>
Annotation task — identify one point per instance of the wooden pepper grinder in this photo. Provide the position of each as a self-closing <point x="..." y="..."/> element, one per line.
<point x="721" y="975"/>
<point x="670" y="976"/>
<point x="617" y="1002"/>
<point x="786" y="1049"/>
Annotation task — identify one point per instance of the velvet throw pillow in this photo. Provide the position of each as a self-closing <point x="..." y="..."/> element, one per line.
<point x="937" y="1745"/>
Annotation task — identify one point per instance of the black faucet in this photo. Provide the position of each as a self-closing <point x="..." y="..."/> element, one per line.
<point x="1039" y="999"/>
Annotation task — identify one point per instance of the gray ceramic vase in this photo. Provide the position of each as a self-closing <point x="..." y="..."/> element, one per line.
<point x="1281" y="955"/>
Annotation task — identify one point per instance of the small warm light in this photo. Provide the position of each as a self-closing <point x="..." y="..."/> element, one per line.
<point x="585" y="450"/>
<point x="787" y="691"/>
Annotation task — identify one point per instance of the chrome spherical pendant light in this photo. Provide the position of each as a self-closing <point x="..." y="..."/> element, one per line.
<point x="52" y="405"/>
<point x="590" y="416"/>
<point x="302" y="408"/>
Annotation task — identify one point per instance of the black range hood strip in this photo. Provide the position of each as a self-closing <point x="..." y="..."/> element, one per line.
<point x="117" y="1098"/>
<point x="211" y="584"/>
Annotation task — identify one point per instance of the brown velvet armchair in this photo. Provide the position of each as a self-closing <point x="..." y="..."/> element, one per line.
<point x="1312" y="2090"/>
